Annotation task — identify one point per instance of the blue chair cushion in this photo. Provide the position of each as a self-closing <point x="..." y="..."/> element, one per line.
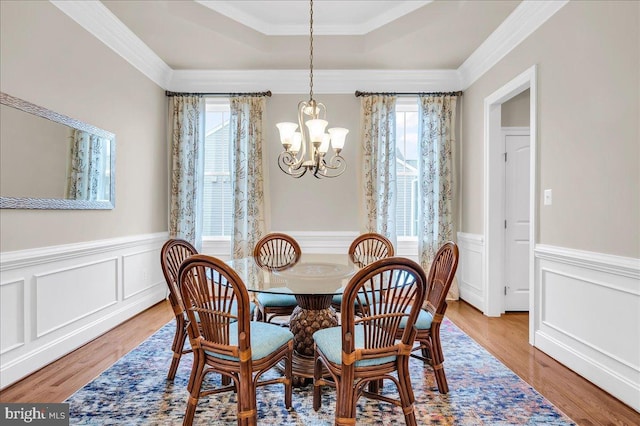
<point x="276" y="299"/>
<point x="375" y="296"/>
<point x="265" y="339"/>
<point x="422" y="323"/>
<point x="329" y="341"/>
<point x="234" y="308"/>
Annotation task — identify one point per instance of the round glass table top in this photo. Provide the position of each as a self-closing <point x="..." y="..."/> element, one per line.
<point x="316" y="270"/>
<point x="306" y="277"/>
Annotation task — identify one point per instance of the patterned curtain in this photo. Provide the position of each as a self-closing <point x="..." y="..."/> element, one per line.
<point x="246" y="174"/>
<point x="187" y="161"/>
<point x="436" y="177"/>
<point x="379" y="169"/>
<point x="87" y="179"/>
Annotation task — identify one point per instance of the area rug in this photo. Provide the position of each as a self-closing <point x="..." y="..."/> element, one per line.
<point x="482" y="391"/>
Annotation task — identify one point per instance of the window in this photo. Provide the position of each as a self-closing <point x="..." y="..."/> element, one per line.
<point x="218" y="199"/>
<point x="407" y="167"/>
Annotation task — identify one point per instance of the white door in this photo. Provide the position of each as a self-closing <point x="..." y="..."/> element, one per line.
<point x="516" y="221"/>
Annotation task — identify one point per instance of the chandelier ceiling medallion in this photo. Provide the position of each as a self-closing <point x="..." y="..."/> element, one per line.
<point x="293" y="160"/>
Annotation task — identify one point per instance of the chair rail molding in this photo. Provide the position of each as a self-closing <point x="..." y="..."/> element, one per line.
<point x="55" y="299"/>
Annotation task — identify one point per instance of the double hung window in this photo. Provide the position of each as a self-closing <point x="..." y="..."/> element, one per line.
<point x="218" y="198"/>
<point x="407" y="168"/>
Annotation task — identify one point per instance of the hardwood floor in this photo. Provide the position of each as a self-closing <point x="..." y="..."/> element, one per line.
<point x="505" y="337"/>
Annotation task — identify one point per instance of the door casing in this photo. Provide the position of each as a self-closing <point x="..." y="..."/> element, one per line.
<point x="493" y="271"/>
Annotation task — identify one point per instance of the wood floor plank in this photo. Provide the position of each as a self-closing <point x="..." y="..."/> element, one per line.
<point x="505" y="337"/>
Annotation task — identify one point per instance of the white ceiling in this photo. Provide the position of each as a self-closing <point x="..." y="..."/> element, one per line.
<point x="330" y="17"/>
<point x="194" y="45"/>
<point x="434" y="35"/>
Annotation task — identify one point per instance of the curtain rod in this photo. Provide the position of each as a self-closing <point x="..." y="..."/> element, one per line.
<point x="359" y="93"/>
<point x="170" y="94"/>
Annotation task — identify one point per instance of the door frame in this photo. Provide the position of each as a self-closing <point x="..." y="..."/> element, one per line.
<point x="493" y="268"/>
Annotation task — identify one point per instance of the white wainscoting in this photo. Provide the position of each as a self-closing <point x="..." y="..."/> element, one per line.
<point x="470" y="264"/>
<point x="588" y="316"/>
<point x="313" y="242"/>
<point x="55" y="299"/>
<point x="310" y="243"/>
<point x="587" y="311"/>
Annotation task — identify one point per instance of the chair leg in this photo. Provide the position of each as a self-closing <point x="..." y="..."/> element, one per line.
<point x="317" y="387"/>
<point x="406" y="391"/>
<point x="375" y="386"/>
<point x="177" y="347"/>
<point x="288" y="372"/>
<point x="246" y="395"/>
<point x="438" y="363"/>
<point x="197" y="376"/>
<point x="345" y="399"/>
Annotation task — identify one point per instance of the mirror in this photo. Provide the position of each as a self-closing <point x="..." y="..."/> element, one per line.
<point x="51" y="161"/>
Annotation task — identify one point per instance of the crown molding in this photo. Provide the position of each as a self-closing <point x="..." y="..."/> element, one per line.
<point x="519" y="25"/>
<point x="104" y="25"/>
<point x="325" y="81"/>
<point x="94" y="17"/>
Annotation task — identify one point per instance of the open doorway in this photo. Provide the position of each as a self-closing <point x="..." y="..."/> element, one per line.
<point x="495" y="197"/>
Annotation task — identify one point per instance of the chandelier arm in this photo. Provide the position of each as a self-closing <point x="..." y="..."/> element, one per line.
<point x="334" y="168"/>
<point x="290" y="160"/>
<point x="287" y="163"/>
<point x="336" y="162"/>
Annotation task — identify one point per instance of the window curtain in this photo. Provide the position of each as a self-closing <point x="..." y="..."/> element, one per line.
<point x="187" y="161"/>
<point x="87" y="178"/>
<point x="437" y="183"/>
<point x="379" y="164"/>
<point x="247" y="174"/>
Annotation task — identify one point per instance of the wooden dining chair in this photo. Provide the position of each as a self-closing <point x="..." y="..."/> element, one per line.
<point x="227" y="341"/>
<point x="441" y="273"/>
<point x="276" y="251"/>
<point x="363" y="351"/>
<point x="365" y="249"/>
<point x="172" y="254"/>
<point x="370" y="247"/>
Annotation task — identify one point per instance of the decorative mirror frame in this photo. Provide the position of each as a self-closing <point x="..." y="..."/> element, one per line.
<point x="61" y="203"/>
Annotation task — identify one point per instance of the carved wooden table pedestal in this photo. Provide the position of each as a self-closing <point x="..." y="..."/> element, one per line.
<point x="313" y="313"/>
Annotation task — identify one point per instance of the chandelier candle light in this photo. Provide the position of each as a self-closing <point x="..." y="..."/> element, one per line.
<point x="293" y="160"/>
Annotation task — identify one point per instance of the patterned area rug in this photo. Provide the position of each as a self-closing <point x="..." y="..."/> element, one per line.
<point x="135" y="391"/>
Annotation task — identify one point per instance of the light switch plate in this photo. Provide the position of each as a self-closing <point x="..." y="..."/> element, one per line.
<point x="548" y="197"/>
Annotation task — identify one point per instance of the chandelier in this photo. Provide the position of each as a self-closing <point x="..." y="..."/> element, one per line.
<point x="294" y="160"/>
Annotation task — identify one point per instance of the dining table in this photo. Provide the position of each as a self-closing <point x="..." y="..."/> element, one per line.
<point x="314" y="280"/>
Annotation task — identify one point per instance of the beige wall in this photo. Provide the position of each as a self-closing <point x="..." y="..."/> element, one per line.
<point x="515" y="112"/>
<point x="49" y="60"/>
<point x="588" y="141"/>
<point x="310" y="204"/>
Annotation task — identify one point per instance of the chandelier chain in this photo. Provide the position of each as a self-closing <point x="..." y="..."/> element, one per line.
<point x="311" y="50"/>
